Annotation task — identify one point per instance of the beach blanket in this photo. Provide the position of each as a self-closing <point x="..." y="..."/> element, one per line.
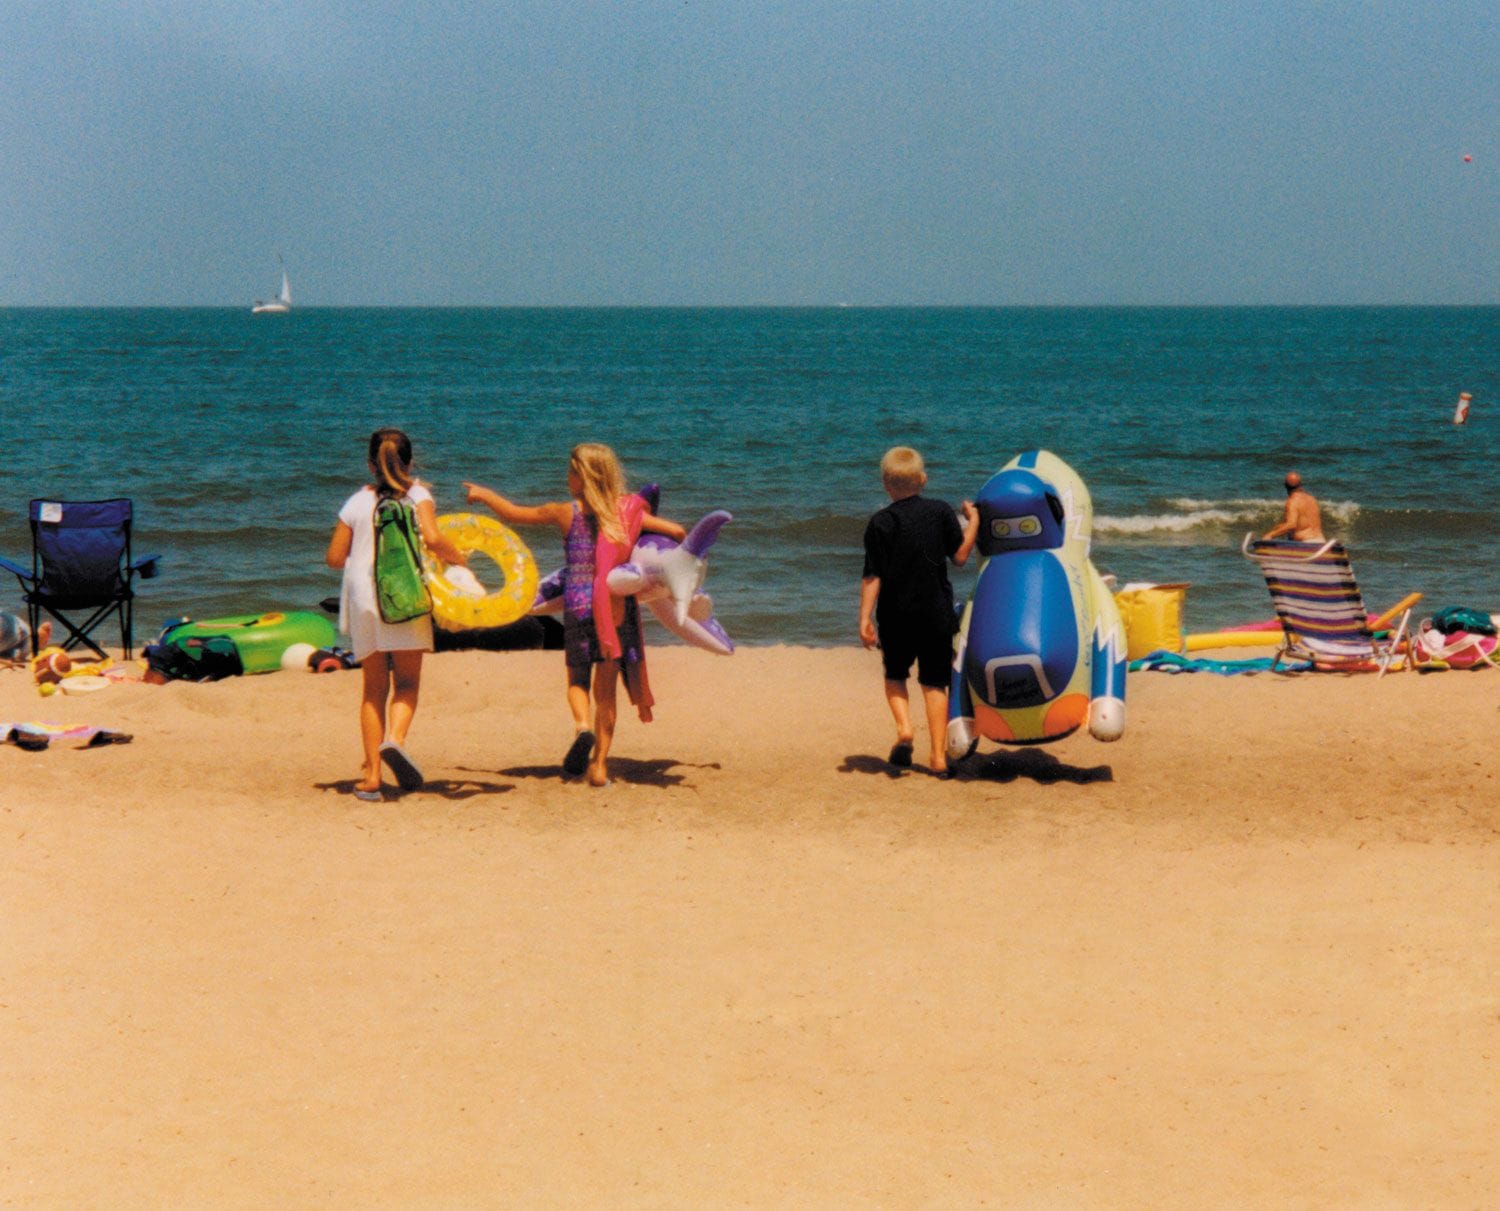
<point x="1172" y="662"/>
<point x="36" y="736"/>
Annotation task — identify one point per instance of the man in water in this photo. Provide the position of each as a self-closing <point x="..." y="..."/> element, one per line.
<point x="1302" y="521"/>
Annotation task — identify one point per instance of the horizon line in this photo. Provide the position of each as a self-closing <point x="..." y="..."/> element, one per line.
<point x="1448" y="304"/>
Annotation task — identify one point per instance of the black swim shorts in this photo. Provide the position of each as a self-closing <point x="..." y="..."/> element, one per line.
<point x="932" y="651"/>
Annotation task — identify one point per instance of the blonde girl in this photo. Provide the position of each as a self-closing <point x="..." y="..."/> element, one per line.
<point x="389" y="653"/>
<point x="601" y="633"/>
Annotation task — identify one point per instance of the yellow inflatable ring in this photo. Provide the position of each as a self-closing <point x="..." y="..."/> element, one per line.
<point x="457" y="611"/>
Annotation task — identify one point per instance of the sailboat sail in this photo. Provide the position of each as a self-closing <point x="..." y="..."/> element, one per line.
<point x="281" y="303"/>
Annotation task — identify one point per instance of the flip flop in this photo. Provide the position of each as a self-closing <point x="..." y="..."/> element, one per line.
<point x="577" y="759"/>
<point x="900" y="754"/>
<point x="365" y="796"/>
<point x="408" y="776"/>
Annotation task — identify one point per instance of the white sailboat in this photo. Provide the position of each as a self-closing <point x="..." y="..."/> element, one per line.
<point x="281" y="304"/>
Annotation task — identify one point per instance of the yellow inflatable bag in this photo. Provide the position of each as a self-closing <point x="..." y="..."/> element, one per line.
<point x="1152" y="614"/>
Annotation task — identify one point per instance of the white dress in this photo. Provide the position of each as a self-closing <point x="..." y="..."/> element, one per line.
<point x="359" y="615"/>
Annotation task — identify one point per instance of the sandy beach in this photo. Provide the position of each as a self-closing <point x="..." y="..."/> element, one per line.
<point x="1248" y="956"/>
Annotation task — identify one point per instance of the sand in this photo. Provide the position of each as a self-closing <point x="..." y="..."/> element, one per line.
<point x="1247" y="956"/>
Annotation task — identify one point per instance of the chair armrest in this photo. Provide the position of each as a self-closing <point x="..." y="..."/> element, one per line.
<point x="146" y="566"/>
<point x="23" y="573"/>
<point x="1402" y="606"/>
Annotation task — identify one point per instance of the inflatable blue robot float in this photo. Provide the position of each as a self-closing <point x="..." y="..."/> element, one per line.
<point x="1040" y="649"/>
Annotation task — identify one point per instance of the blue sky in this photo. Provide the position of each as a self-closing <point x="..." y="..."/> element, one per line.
<point x="749" y="153"/>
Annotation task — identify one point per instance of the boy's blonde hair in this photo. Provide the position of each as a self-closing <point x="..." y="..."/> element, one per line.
<point x="602" y="483"/>
<point x="902" y="470"/>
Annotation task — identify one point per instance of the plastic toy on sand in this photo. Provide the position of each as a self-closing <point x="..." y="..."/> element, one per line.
<point x="1041" y="650"/>
<point x="260" y="639"/>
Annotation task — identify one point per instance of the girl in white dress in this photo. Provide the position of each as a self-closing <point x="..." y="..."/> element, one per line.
<point x="389" y="653"/>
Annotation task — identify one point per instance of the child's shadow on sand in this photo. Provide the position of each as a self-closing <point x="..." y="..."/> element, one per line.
<point x="443" y="788"/>
<point x="1034" y="763"/>
<point x="621" y="770"/>
<point x="861" y="763"/>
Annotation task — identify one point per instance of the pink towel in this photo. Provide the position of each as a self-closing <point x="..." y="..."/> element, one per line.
<point x="609" y="555"/>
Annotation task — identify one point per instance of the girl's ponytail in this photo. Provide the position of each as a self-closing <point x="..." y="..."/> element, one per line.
<point x="390" y="459"/>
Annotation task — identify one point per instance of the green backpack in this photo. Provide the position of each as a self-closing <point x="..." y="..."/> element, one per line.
<point x="400" y="590"/>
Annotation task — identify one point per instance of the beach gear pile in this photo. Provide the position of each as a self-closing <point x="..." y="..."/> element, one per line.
<point x="246" y="643"/>
<point x="1456" y="637"/>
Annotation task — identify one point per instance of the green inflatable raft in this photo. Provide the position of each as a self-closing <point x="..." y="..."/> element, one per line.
<point x="260" y="639"/>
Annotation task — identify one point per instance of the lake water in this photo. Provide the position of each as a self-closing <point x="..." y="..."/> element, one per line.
<point x="238" y="436"/>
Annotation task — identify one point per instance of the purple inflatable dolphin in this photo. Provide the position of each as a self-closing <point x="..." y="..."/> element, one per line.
<point x="665" y="575"/>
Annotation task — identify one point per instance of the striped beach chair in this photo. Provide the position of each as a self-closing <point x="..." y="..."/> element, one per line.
<point x="1322" y="614"/>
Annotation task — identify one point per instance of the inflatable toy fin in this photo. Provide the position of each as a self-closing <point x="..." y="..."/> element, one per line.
<point x="702" y="632"/>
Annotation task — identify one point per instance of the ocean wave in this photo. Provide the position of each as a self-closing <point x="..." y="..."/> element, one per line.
<point x="1185" y="516"/>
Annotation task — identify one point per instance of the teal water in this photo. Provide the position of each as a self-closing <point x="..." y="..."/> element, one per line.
<point x="239" y="436"/>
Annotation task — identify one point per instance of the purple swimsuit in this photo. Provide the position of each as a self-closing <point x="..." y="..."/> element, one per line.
<point x="580" y="640"/>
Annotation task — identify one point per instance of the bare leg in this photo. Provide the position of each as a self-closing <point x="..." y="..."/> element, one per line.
<point x="578" y="704"/>
<point x="376" y="671"/>
<point x="408" y="681"/>
<point x="900" y="704"/>
<point x="606" y="681"/>
<point x="936" y="702"/>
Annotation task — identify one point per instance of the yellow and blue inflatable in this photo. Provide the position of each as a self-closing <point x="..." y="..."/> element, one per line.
<point x="1040" y="650"/>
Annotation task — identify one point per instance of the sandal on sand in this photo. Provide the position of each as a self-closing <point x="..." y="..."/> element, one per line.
<point x="408" y="776"/>
<point x="900" y="754"/>
<point x="365" y="796"/>
<point x="577" y="759"/>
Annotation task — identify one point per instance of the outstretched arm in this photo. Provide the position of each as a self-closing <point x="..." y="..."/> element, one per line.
<point x="660" y="525"/>
<point x="552" y="514"/>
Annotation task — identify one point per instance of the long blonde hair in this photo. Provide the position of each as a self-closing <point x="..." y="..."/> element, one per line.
<point x="601" y="482"/>
<point x="390" y="458"/>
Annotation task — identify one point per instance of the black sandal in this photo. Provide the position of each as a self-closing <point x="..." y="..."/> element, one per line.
<point x="577" y="758"/>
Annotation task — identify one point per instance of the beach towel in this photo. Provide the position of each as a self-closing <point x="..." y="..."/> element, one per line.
<point x="36" y="736"/>
<point x="608" y="555"/>
<point x="1171" y="662"/>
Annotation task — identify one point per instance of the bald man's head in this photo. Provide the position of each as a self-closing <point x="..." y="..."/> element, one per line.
<point x="1293" y="481"/>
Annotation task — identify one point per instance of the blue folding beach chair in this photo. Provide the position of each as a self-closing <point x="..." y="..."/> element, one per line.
<point x="81" y="565"/>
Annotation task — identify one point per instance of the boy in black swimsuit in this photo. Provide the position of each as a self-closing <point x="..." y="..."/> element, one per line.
<point x="907" y="547"/>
